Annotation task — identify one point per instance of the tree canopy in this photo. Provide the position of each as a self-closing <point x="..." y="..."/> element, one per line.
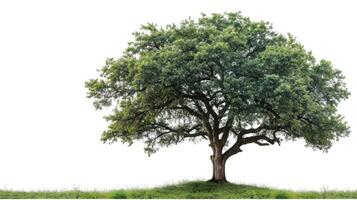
<point x="219" y="78"/>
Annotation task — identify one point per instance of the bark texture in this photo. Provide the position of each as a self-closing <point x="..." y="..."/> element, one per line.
<point x="219" y="167"/>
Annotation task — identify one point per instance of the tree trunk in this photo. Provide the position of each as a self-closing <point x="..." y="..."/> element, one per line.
<point x="218" y="164"/>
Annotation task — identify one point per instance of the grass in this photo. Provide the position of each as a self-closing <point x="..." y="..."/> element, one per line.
<point x="190" y="190"/>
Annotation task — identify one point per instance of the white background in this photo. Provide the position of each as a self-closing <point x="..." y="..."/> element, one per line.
<point x="49" y="131"/>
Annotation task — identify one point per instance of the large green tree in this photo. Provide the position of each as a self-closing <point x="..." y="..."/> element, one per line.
<point x="222" y="78"/>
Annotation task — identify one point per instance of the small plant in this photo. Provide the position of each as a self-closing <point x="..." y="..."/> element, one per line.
<point x="76" y="192"/>
<point x="281" y="195"/>
<point x="119" y="195"/>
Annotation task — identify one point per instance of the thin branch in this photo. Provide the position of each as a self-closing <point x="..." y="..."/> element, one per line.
<point x="261" y="143"/>
<point x="189" y="110"/>
<point x="256" y="138"/>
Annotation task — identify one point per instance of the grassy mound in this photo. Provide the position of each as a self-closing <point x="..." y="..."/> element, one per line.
<point x="190" y="190"/>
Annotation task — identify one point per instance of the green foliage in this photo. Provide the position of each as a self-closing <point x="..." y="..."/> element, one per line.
<point x="217" y="78"/>
<point x="282" y="195"/>
<point x="119" y="195"/>
<point x="192" y="190"/>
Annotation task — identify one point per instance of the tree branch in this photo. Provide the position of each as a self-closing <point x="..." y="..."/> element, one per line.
<point x="227" y="128"/>
<point x="261" y="143"/>
<point x="235" y="148"/>
<point x="189" y="110"/>
<point x="185" y="132"/>
<point x="256" y="138"/>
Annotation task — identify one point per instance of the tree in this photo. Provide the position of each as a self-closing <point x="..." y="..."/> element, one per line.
<point x="222" y="78"/>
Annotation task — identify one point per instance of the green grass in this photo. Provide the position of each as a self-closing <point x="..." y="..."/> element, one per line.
<point x="191" y="190"/>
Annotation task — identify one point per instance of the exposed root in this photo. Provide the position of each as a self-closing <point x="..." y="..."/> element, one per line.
<point x="217" y="181"/>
